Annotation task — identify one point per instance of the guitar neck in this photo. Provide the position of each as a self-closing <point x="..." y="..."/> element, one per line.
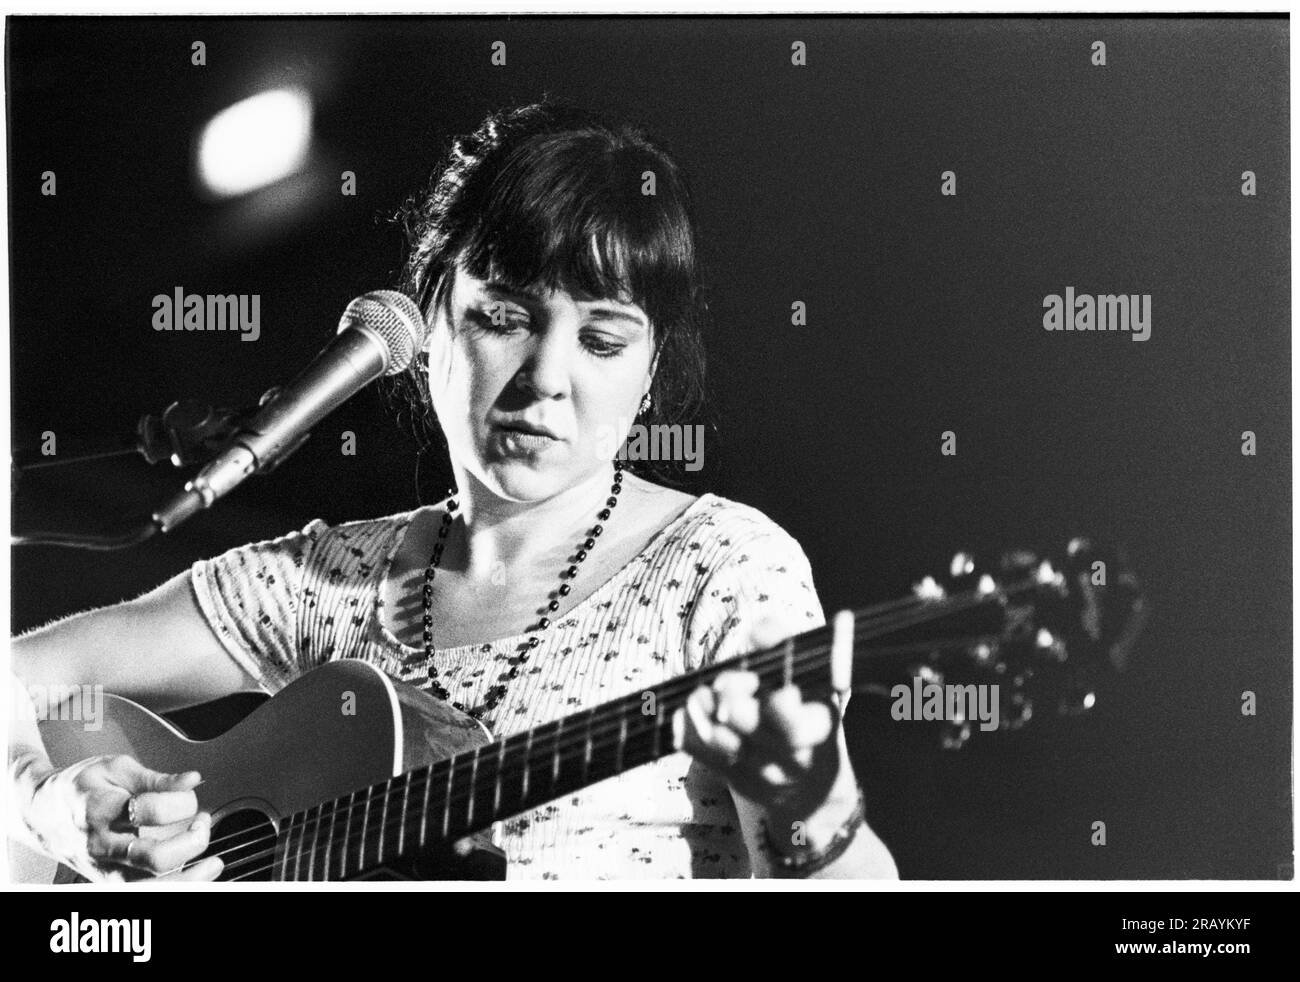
<point x="433" y="806"/>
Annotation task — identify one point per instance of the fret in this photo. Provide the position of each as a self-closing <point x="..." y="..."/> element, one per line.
<point x="661" y="714"/>
<point x="347" y="836"/>
<point x="586" y="753"/>
<point x="787" y="662"/>
<point x="622" y="739"/>
<point x="295" y="827"/>
<point x="446" y="799"/>
<point x="496" y="787"/>
<point x="555" y="754"/>
<point x="383" y="821"/>
<point x="297" y="856"/>
<point x="424" y="805"/>
<point x="315" y="837"/>
<point x="401" y="822"/>
<point x="329" y="839"/>
<point x="473" y="776"/>
<point x="287" y="833"/>
<point x="365" y="824"/>
<point x="528" y="757"/>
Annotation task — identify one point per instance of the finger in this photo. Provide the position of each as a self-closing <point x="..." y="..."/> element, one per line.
<point x="766" y="632"/>
<point x="127" y="772"/>
<point x="108" y="848"/>
<point x="208" y="868"/>
<point x="802" y="724"/>
<point x="735" y="705"/>
<point x="699" y="715"/>
<point x="160" y="856"/>
<point x="727" y="745"/>
<point x="165" y="807"/>
<point x="712" y="745"/>
<point x="106" y="807"/>
<point x="791" y="730"/>
<point x="164" y="782"/>
<point x="721" y="756"/>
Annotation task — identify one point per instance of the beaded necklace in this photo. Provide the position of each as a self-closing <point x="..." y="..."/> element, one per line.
<point x="498" y="691"/>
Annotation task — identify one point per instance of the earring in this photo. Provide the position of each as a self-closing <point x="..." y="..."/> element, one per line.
<point x="645" y="405"/>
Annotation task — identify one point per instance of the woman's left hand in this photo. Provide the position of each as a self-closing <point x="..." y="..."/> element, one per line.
<point x="781" y="752"/>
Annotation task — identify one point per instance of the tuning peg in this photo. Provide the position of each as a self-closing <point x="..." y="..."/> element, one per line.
<point x="963" y="564"/>
<point x="927" y="674"/>
<point x="1046" y="575"/>
<point x="929" y="589"/>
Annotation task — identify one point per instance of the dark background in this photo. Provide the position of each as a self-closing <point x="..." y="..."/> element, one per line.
<point x="818" y="183"/>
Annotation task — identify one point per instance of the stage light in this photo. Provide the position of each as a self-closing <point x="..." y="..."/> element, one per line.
<point x="255" y="142"/>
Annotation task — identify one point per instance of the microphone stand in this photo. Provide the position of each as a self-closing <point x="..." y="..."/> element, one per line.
<point x="186" y="432"/>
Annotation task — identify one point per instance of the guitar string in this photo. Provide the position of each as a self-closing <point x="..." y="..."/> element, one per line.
<point x="308" y="857"/>
<point x="771" y="658"/>
<point x="304" y="823"/>
<point x="862" y="617"/>
<point x="601" y="749"/>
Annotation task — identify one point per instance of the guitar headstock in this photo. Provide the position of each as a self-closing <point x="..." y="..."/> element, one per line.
<point x="1051" y="633"/>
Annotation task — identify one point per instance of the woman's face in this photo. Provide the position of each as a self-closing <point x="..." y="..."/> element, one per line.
<point x="535" y="393"/>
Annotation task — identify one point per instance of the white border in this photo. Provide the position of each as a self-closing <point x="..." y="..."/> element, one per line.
<point x="679" y="7"/>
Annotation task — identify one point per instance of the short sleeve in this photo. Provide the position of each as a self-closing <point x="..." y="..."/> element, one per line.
<point x="766" y="576"/>
<point x="251" y="596"/>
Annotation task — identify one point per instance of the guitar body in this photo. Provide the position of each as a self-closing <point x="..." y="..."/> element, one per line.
<point x="343" y="726"/>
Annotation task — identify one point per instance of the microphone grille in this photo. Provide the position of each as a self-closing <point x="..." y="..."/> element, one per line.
<point x="395" y="318"/>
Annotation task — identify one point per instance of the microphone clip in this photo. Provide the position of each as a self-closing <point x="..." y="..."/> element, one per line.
<point x="187" y="432"/>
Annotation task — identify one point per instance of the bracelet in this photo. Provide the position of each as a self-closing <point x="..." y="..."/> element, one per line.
<point x="807" y="863"/>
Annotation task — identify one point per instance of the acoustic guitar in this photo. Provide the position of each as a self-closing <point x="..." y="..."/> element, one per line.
<point x="347" y="774"/>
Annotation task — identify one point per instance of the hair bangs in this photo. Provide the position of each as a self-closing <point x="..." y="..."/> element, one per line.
<point x="555" y="223"/>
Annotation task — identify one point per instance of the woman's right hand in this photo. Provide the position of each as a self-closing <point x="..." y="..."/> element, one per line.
<point x="81" y="815"/>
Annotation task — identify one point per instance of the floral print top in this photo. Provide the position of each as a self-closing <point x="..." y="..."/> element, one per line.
<point x="289" y="604"/>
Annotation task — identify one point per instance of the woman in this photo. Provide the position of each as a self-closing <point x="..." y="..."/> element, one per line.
<point x="554" y="258"/>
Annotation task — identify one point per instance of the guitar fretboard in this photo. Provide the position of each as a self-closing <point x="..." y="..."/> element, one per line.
<point x="433" y="806"/>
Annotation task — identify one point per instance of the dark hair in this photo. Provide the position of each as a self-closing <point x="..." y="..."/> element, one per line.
<point x="550" y="195"/>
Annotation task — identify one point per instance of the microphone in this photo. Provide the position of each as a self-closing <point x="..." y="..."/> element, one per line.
<point x="379" y="334"/>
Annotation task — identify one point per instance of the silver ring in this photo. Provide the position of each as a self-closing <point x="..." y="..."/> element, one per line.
<point x="131" y="819"/>
<point x="127" y="858"/>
